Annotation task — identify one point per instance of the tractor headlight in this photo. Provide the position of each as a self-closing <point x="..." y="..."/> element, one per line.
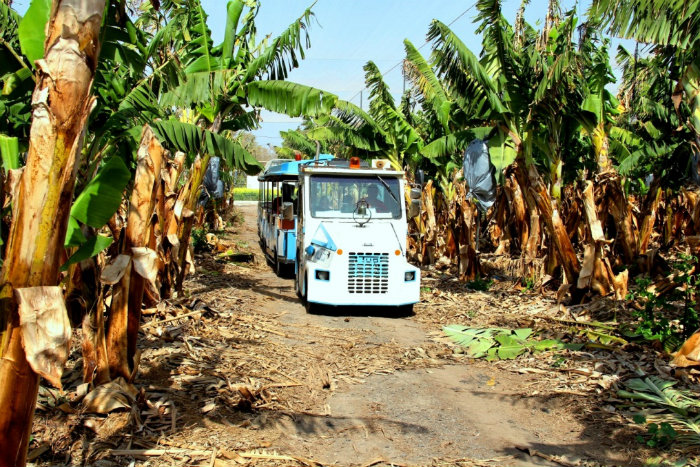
<point x="409" y="276"/>
<point x="323" y="275"/>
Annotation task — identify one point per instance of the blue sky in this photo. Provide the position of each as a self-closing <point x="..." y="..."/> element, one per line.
<point x="345" y="34"/>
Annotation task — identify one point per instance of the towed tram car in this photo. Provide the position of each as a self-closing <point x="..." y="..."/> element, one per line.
<point x="277" y="212"/>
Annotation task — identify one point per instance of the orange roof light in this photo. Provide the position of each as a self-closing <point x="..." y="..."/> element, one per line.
<point x="297" y="156"/>
<point x="354" y="162"/>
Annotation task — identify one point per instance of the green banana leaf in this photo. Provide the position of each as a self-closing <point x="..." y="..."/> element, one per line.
<point x="101" y="198"/>
<point x="31" y="29"/>
<point x="501" y="152"/>
<point x="500" y="343"/>
<point x="93" y="246"/>
<point x="74" y="236"/>
<point x="291" y="98"/>
<point x="192" y="139"/>
<point x="234" y="9"/>
<point x="9" y="150"/>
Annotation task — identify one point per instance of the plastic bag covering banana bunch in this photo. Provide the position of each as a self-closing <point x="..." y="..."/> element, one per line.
<point x="478" y="174"/>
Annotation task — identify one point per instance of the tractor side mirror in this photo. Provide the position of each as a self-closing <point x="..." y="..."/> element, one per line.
<point x="415" y="193"/>
<point x="414" y="208"/>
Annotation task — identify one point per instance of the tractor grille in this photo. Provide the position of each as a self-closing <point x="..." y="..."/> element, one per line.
<point x="368" y="273"/>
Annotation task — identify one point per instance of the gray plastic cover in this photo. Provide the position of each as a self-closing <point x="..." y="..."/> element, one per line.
<point x="211" y="177"/>
<point x="479" y="174"/>
<point x="219" y="192"/>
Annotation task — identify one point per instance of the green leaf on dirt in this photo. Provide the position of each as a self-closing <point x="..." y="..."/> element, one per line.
<point x="604" y="338"/>
<point x="522" y="333"/>
<point x="511" y="345"/>
<point x="661" y="392"/>
<point x="464" y="335"/>
<point x="492" y="354"/>
<point x="510" y="352"/>
<point x="499" y="343"/>
<point x="676" y="410"/>
<point x="479" y="348"/>
<point x="547" y="344"/>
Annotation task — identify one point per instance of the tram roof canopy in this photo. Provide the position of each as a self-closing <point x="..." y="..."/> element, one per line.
<point x="281" y="169"/>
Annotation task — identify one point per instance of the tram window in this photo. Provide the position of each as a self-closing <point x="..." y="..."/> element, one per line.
<point x="289" y="193"/>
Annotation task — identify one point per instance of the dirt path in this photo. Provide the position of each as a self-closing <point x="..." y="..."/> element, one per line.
<point x="383" y="387"/>
<point x="237" y="373"/>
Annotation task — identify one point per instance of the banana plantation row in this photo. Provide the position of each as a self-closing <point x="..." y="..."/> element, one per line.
<point x="591" y="183"/>
<point x="109" y="119"/>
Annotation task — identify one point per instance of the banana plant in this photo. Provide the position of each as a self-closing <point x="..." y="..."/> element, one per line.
<point x="651" y="127"/>
<point x="475" y="95"/>
<point x="674" y="30"/>
<point x="599" y="107"/>
<point x="383" y="131"/>
<point x="60" y="109"/>
<point x="298" y="141"/>
<point x="216" y="78"/>
<point x="498" y="90"/>
<point x="455" y="129"/>
<point x="16" y="84"/>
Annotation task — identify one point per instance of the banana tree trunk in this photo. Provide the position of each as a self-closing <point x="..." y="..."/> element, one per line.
<point x="95" y="359"/>
<point x="555" y="170"/>
<point x="138" y="226"/>
<point x="601" y="148"/>
<point x="428" y="250"/>
<point x="169" y="239"/>
<point x="468" y="222"/>
<point x="530" y="180"/>
<point x="649" y="220"/>
<point x="622" y="213"/>
<point x="127" y="296"/>
<point x="61" y="104"/>
<point x="500" y="231"/>
<point x="151" y="294"/>
<point x="620" y="206"/>
<point x="531" y="227"/>
<point x="191" y="195"/>
<point x="516" y="201"/>
<point x="596" y="273"/>
<point x="86" y="306"/>
<point x="530" y="249"/>
<point x="668" y="224"/>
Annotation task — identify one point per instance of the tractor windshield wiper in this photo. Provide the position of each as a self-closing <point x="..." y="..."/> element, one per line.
<point x="386" y="185"/>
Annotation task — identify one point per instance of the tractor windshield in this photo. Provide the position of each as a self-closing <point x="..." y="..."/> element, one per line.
<point x="337" y="196"/>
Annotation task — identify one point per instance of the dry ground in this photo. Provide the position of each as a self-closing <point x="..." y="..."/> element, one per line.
<point x="248" y="377"/>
